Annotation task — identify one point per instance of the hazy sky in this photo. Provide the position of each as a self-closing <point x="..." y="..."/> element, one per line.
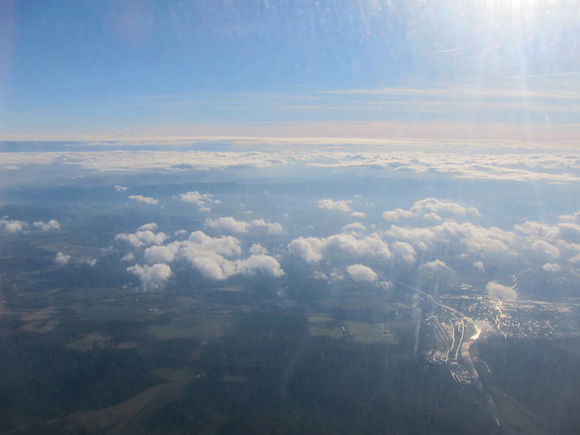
<point x="289" y="67"/>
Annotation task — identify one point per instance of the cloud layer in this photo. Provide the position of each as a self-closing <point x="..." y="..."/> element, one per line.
<point x="552" y="167"/>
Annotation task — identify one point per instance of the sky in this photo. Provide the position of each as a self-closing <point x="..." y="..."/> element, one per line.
<point x="491" y="69"/>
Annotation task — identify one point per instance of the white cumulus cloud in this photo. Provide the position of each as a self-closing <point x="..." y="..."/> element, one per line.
<point x="362" y="273"/>
<point x="570" y="218"/>
<point x="202" y="200"/>
<point x="343" y="206"/>
<point x="404" y="250"/>
<point x="128" y="258"/>
<point x="12" y="225"/>
<point x="340" y="205"/>
<point x="143" y="199"/>
<point x="257" y="249"/>
<point x="551" y="267"/>
<point x="228" y="224"/>
<point x="142" y="238"/>
<point x="430" y="209"/>
<point x="215" y="257"/>
<point x="51" y="225"/>
<point x="501" y="291"/>
<point x="152" y="226"/>
<point x="160" y="254"/>
<point x="466" y="236"/>
<point x="151" y="276"/>
<point x="313" y="249"/>
<point x="354" y="227"/>
<point x="61" y="259"/>
<point x="436" y="266"/>
<point x="546" y="249"/>
<point x="259" y="264"/>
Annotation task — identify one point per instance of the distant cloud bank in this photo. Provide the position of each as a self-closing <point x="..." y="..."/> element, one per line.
<point x="515" y="163"/>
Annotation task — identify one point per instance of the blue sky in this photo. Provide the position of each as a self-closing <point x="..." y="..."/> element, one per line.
<point x="187" y="67"/>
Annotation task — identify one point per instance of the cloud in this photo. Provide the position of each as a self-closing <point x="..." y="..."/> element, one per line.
<point x="202" y="200"/>
<point x="404" y="250"/>
<point x="330" y="204"/>
<point x="193" y="197"/>
<point x="570" y="218"/>
<point x="257" y="249"/>
<point x="142" y="238"/>
<point x="259" y="264"/>
<point x="217" y="267"/>
<point x="336" y="275"/>
<point x="214" y="257"/>
<point x="152" y="226"/>
<point x="361" y="273"/>
<point x="130" y="161"/>
<point x="92" y="262"/>
<point x="552" y="241"/>
<point x="207" y="255"/>
<point x="151" y="276"/>
<point x="569" y="232"/>
<point x="537" y="230"/>
<point x="309" y="249"/>
<point x="501" y="291"/>
<point x="466" y="236"/>
<point x="51" y="225"/>
<point x="270" y="227"/>
<point x="386" y="285"/>
<point x="320" y="275"/>
<point x="313" y="250"/>
<point x="12" y="225"/>
<point x="355" y="227"/>
<point x="120" y="188"/>
<point x="467" y="240"/>
<point x="226" y="245"/>
<point x="435" y="266"/>
<point x="128" y="258"/>
<point x="202" y="252"/>
<point x="430" y="209"/>
<point x="143" y="199"/>
<point x="160" y="254"/>
<point x="443" y="207"/>
<point x="397" y="214"/>
<point x="61" y="259"/>
<point x="228" y="224"/>
<point x="515" y="166"/>
<point x="546" y="249"/>
<point x="343" y="206"/>
<point x="461" y="92"/>
<point x="551" y="267"/>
